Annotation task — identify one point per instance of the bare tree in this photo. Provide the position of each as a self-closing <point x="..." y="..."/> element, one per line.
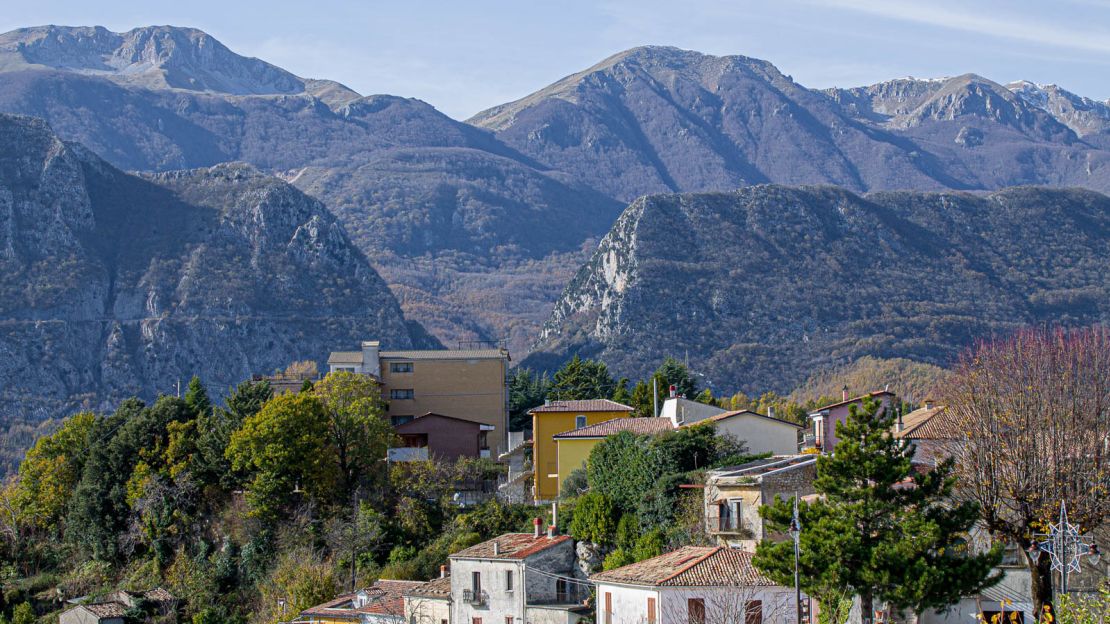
<point x="732" y="605"/>
<point x="1031" y="415"/>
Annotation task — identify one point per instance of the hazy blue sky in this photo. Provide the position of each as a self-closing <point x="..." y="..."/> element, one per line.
<point x="463" y="56"/>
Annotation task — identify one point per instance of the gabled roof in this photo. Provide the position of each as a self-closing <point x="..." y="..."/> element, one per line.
<point x="435" y="588"/>
<point x="106" y="610"/>
<point x="588" y="405"/>
<point x="345" y="357"/>
<point x="511" y="546"/>
<point x="640" y="426"/>
<point x="691" y="566"/>
<point x="756" y="470"/>
<point x="734" y="413"/>
<point x="384" y="597"/>
<point x="935" y="423"/>
<point x="483" y="426"/>
<point x="871" y="395"/>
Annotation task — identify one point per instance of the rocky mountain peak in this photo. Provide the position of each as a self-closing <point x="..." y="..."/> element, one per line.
<point x="1083" y="115"/>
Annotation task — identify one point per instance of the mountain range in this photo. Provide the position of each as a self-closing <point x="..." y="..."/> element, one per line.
<point x="758" y="288"/>
<point x="477" y="226"/>
<point x="114" y="285"/>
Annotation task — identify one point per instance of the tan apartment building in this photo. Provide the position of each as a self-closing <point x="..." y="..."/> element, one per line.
<point x="468" y="384"/>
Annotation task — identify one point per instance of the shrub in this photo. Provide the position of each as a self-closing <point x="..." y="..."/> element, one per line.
<point x="617" y="559"/>
<point x="623" y="467"/>
<point x="576" y="483"/>
<point x="649" y="545"/>
<point x="628" y="531"/>
<point x="594" y="519"/>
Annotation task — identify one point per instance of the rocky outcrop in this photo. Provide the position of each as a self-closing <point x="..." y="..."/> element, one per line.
<point x="114" y="285"/>
<point x="763" y="286"/>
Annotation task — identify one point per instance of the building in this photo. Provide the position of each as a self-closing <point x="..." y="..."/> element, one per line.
<point x="704" y="584"/>
<point x="930" y="429"/>
<point x="466" y="384"/>
<point x="826" y="418"/>
<point x="572" y="448"/>
<point x="733" y="496"/>
<point x="517" y="577"/>
<point x="555" y="417"/>
<point x="429" y="603"/>
<point x="94" y="613"/>
<point x="381" y="603"/>
<point x="683" y="411"/>
<point x="441" y="437"/>
<point x="760" y="433"/>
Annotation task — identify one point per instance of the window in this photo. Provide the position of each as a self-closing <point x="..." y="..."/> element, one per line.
<point x="400" y="367"/>
<point x="401" y="394"/>
<point x="399" y="420"/>
<point x="695" y="611"/>
<point x="579" y="421"/>
<point x="753" y="612"/>
<point x="508" y="619"/>
<point x="561" y="594"/>
<point x="608" y="608"/>
<point x="476" y="583"/>
<point x="651" y="611"/>
<point x="475" y="620"/>
<point x="508" y="580"/>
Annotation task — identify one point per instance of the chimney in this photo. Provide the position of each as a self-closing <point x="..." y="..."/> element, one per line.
<point x="900" y="425"/>
<point x="496" y="548"/>
<point x="536" y="523"/>
<point x="370" y="362"/>
<point x="442" y="571"/>
<point x="844" y="393"/>
<point x="928" y="404"/>
<point x="771" y="411"/>
<point x="550" y="531"/>
<point x="674" y="391"/>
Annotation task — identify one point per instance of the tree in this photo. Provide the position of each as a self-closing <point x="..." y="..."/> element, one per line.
<point x="285" y="447"/>
<point x="196" y="397"/>
<point x="50" y="472"/>
<point x="358" y="430"/>
<point x="883" y="530"/>
<point x="643" y="399"/>
<point x="216" y="427"/>
<point x="674" y="373"/>
<point x="595" y="519"/>
<point x="621" y="393"/>
<point x="23" y="614"/>
<point x="581" y="379"/>
<point x="1032" y="413"/>
<point x="623" y="467"/>
<point x="526" y="390"/>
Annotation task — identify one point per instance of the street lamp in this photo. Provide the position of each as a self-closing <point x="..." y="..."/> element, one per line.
<point x="1065" y="546"/>
<point x="796" y="534"/>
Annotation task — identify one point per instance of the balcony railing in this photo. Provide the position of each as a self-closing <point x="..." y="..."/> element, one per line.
<point x="727" y="524"/>
<point x="475" y="599"/>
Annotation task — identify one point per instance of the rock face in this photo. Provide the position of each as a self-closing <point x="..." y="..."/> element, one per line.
<point x="113" y="285"/>
<point x="655" y="119"/>
<point x="763" y="286"/>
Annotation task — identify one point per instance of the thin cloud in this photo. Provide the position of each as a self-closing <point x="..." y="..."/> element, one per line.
<point x="992" y="25"/>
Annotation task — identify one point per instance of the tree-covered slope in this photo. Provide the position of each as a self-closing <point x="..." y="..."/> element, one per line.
<point x="763" y="286"/>
<point x="113" y="285"/>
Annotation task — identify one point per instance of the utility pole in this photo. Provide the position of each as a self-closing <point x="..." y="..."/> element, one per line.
<point x="655" y="396"/>
<point x="796" y="533"/>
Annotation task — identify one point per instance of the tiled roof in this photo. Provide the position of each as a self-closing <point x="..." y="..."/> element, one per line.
<point x="616" y="425"/>
<point x="872" y="395"/>
<point x="435" y="588"/>
<point x="691" y="566"/>
<point x="345" y="357"/>
<point x="158" y="594"/>
<point x="935" y="423"/>
<point x="588" y="405"/>
<point x="511" y="546"/>
<point x="107" y="609"/>
<point x="727" y="415"/>
<point x="385" y="597"/>
<point x="446" y="354"/>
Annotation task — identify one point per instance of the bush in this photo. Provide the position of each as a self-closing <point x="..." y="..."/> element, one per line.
<point x="623" y="467"/>
<point x="628" y="531"/>
<point x="594" y="519"/>
<point x="23" y="614"/>
<point x="576" y="483"/>
<point x="649" y="545"/>
<point x="618" y="559"/>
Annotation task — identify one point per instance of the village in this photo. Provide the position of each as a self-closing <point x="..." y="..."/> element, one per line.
<point x="449" y="404"/>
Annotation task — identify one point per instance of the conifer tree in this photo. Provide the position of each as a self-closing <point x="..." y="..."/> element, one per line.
<point x="196" y="397"/>
<point x="882" y="530"/>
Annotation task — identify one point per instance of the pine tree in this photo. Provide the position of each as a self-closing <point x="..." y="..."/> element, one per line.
<point x="674" y="373"/>
<point x="582" y="379"/>
<point x="882" y="530"/>
<point x="196" y="397"/>
<point x="621" y="393"/>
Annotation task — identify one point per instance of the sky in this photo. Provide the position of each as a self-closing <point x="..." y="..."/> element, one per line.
<point x="465" y="56"/>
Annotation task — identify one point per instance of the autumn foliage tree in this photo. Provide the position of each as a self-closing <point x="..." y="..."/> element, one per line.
<point x="1033" y="413"/>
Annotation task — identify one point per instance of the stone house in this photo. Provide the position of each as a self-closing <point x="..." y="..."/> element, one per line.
<point x="517" y="577"/>
<point x="381" y="603"/>
<point x="94" y="613"/>
<point x="733" y="496"/>
<point x="703" y="584"/>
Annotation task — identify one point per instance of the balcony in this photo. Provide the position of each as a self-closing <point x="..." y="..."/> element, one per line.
<point x="728" y="525"/>
<point x="475" y="599"/>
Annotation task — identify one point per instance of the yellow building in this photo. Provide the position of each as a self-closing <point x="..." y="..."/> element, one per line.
<point x="553" y="418"/>
<point x="573" y="447"/>
<point x="468" y="384"/>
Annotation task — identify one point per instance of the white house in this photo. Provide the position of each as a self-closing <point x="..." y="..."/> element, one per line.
<point x="517" y="577"/>
<point x="683" y="411"/>
<point x="429" y="603"/>
<point x="761" y="433"/>
<point x="709" y="585"/>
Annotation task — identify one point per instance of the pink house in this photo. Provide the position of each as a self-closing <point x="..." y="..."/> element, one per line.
<point x="826" y="417"/>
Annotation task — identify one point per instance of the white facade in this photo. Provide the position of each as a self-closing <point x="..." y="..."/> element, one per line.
<point x="722" y="605"/>
<point x="427" y="610"/>
<point x="370" y="362"/>
<point x="494" y="601"/>
<point x="761" y="434"/>
<point x="685" y="412"/>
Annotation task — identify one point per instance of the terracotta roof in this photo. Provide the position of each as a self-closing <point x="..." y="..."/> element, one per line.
<point x="588" y="405"/>
<point x="616" y="425"/>
<point x="852" y="400"/>
<point x="435" y="588"/>
<point x="935" y="423"/>
<point x="727" y="415"/>
<point x="691" y="566"/>
<point x="158" y="594"/>
<point x="384" y="597"/>
<point x="345" y="357"/>
<point x="511" y="546"/>
<point x="106" y="609"/>
<point x="446" y="354"/>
